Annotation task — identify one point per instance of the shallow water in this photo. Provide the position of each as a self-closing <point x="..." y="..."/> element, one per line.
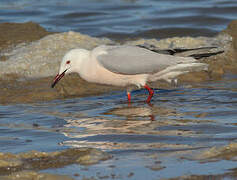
<point x="153" y="141"/>
<point x="124" y="18"/>
<point x="161" y="140"/>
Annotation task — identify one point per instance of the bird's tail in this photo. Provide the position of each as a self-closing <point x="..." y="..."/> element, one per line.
<point x="170" y="73"/>
<point x="188" y="61"/>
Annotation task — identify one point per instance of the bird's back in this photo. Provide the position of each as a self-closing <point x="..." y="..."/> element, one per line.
<point x="132" y="60"/>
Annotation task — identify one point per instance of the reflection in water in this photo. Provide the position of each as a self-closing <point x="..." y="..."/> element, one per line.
<point x="181" y="119"/>
<point x="137" y="131"/>
<point x="142" y="111"/>
<point x="131" y="111"/>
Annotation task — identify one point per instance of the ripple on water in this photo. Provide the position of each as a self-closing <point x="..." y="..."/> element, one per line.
<point x="182" y="125"/>
<point x="117" y="18"/>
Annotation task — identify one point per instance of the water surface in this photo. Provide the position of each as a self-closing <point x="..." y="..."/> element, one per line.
<point x="152" y="141"/>
<point x="124" y="18"/>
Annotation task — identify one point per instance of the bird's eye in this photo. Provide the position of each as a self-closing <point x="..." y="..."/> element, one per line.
<point x="68" y="62"/>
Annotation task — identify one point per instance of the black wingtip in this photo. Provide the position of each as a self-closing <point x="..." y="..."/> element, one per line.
<point x="203" y="55"/>
<point x="180" y="50"/>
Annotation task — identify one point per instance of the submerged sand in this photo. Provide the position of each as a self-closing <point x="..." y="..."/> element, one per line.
<point x="29" y="43"/>
<point x="25" y="165"/>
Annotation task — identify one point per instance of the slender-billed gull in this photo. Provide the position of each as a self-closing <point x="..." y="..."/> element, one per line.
<point x="125" y="65"/>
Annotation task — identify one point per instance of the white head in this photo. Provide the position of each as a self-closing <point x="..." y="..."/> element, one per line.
<point x="71" y="62"/>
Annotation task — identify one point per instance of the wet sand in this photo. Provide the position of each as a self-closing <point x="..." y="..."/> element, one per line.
<point x="25" y="165"/>
<point x="12" y="34"/>
<point x="35" y="160"/>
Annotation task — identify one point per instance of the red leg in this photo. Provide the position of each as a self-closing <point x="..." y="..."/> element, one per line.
<point x="129" y="96"/>
<point x="151" y="92"/>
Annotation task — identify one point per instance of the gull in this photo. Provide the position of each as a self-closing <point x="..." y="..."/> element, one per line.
<point x="126" y="66"/>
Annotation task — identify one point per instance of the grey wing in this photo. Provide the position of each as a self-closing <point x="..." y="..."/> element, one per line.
<point x="135" y="60"/>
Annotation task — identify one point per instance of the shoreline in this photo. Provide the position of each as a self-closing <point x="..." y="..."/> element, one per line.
<point x="15" y="90"/>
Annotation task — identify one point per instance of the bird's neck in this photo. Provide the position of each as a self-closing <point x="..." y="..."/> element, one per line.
<point x="81" y="64"/>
